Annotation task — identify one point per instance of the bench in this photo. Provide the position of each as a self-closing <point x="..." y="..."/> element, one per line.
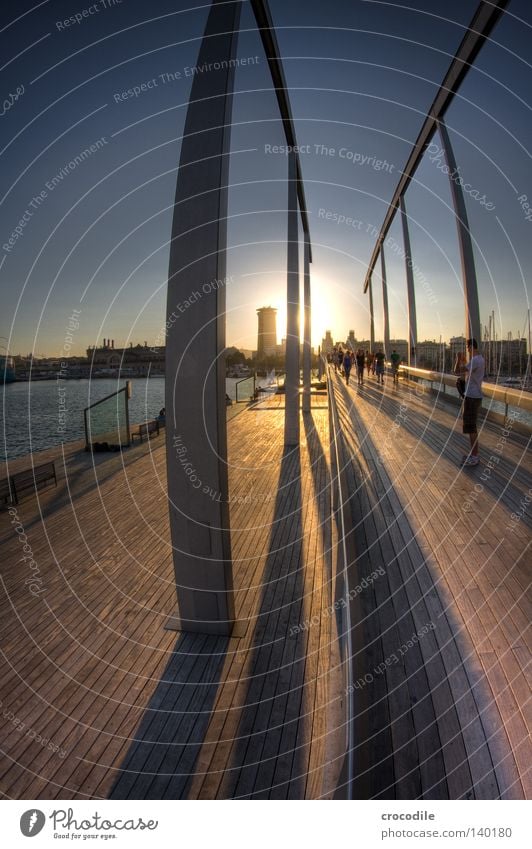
<point x="5" y="492"/>
<point x="146" y="429"/>
<point x="33" y="479"/>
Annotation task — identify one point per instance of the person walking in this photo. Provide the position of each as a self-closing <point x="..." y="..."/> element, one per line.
<point x="347" y="366"/>
<point x="340" y="358"/>
<point x="361" y="360"/>
<point x="395" y="360"/>
<point x="369" y="361"/>
<point x="379" y="366"/>
<point x="473" y="371"/>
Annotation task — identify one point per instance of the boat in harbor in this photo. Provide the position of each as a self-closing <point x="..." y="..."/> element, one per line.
<point x="270" y="383"/>
<point x="7" y="367"/>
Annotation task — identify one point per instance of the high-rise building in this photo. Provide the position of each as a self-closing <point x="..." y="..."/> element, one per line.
<point x="267" y="332"/>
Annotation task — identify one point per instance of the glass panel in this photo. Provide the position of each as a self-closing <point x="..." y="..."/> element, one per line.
<point x="242" y="390"/>
<point x="107" y="422"/>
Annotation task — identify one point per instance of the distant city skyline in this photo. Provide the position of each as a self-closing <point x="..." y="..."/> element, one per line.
<point x="156" y="342"/>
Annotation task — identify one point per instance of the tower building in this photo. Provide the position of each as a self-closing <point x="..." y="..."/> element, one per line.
<point x="267" y="332"/>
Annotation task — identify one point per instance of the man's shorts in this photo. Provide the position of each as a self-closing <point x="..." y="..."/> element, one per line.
<point x="470" y="413"/>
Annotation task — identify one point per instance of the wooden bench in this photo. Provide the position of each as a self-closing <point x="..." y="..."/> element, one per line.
<point x="5" y="492"/>
<point x="32" y="479"/>
<point x="146" y="429"/>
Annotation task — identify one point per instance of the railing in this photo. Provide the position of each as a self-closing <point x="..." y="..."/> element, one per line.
<point x="252" y="377"/>
<point x="513" y="398"/>
<point x="340" y="508"/>
<point x="107" y="421"/>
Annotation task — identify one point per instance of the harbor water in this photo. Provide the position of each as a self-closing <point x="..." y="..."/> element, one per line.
<point x="30" y="417"/>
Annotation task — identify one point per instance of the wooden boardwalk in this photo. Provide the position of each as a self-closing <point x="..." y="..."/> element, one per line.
<point x="444" y="709"/>
<point x="99" y="700"/>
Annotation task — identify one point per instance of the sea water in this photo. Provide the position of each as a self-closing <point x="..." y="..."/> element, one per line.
<point x="30" y="415"/>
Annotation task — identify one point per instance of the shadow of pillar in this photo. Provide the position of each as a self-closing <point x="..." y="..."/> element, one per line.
<point x="162" y="754"/>
<point x="264" y="755"/>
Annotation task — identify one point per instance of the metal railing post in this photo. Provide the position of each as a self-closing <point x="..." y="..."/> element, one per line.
<point x="291" y="421"/>
<point x="465" y="243"/>
<point x="385" y="311"/>
<point x="371" y="318"/>
<point x="412" y="319"/>
<point x="307" y="326"/>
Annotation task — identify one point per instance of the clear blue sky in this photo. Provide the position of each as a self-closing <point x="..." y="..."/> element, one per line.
<point x="361" y="75"/>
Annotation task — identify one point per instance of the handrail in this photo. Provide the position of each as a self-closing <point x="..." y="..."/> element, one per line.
<point x="509" y="397"/>
<point x="271" y="48"/>
<point x="476" y="34"/>
<point x="338" y="507"/>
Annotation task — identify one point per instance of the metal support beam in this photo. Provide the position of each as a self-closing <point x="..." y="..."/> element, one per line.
<point x="386" y="315"/>
<point x="291" y="420"/>
<point x="467" y="258"/>
<point x="271" y="49"/>
<point x="480" y="28"/>
<point x="306" y="327"/>
<point x="196" y="431"/>
<point x="412" y="319"/>
<point x="371" y="318"/>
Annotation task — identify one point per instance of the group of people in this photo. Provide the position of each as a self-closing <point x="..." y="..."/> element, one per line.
<point x="470" y="376"/>
<point x="343" y="362"/>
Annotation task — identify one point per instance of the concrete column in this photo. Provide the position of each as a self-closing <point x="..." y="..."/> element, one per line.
<point x="412" y="319"/>
<point x="291" y="418"/>
<point x="467" y="258"/>
<point x="196" y="434"/>
<point x="386" y="315"/>
<point x="307" y="326"/>
<point x="371" y="317"/>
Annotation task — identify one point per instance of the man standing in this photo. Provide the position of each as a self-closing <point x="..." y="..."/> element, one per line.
<point x="474" y="374"/>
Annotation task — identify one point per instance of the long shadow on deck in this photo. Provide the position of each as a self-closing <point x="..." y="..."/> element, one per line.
<point x="418" y="709"/>
<point x="170" y="734"/>
<point x="506" y="481"/>
<point x="270" y="756"/>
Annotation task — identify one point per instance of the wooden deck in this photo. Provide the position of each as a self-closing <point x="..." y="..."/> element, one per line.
<point x="444" y="710"/>
<point x="99" y="700"/>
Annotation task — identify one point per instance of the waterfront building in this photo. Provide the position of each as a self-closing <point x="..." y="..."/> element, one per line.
<point x="267" y="332"/>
